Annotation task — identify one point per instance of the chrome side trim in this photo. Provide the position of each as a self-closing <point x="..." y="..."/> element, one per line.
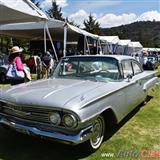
<point x="82" y="136"/>
<point x="150" y="83"/>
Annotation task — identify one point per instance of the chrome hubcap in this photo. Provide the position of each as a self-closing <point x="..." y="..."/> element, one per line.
<point x="98" y="133"/>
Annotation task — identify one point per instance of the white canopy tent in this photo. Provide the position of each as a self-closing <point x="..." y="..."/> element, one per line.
<point x="125" y="42"/>
<point x="151" y="49"/>
<point x="15" y="11"/>
<point x="110" y="43"/>
<point x="110" y="39"/>
<point x="127" y="46"/>
<point x="59" y="31"/>
<point x="32" y="30"/>
<point x="86" y="34"/>
<point x="81" y="31"/>
<point x="137" y="46"/>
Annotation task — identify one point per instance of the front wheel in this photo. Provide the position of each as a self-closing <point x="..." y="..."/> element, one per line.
<point x="98" y="134"/>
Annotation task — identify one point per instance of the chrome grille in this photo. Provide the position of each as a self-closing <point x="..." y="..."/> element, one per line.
<point x="27" y="113"/>
<point x="33" y="117"/>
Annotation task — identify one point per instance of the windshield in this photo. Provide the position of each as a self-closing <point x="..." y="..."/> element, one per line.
<point x="88" y="68"/>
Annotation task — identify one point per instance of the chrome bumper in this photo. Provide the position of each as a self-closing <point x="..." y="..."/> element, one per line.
<point x="82" y="136"/>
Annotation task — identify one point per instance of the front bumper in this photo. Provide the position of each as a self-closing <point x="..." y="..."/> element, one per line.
<point x="82" y="136"/>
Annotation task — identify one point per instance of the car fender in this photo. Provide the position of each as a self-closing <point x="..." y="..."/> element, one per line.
<point x="150" y="83"/>
<point x="99" y="113"/>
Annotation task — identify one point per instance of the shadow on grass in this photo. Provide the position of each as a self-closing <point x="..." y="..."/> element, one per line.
<point x="17" y="146"/>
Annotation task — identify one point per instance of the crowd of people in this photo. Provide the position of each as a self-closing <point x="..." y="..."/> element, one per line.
<point x="149" y="61"/>
<point x="19" y="70"/>
<point x="42" y="64"/>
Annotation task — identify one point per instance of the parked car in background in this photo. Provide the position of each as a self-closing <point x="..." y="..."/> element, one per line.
<point x="81" y="102"/>
<point x="154" y="61"/>
<point x="3" y="67"/>
<point x="151" y="62"/>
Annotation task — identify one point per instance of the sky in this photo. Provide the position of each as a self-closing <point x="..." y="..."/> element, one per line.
<point x="109" y="13"/>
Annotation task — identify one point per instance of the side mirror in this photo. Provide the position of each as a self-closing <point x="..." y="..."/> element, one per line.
<point x="129" y="76"/>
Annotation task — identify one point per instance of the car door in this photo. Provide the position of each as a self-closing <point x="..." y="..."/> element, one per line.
<point x="146" y="79"/>
<point x="134" y="86"/>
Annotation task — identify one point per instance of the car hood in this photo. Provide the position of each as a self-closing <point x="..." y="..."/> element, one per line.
<point x="58" y="93"/>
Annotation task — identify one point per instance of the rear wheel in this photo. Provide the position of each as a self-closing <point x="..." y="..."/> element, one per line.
<point x="98" y="134"/>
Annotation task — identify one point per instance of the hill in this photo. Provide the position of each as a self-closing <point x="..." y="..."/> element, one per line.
<point x="148" y="33"/>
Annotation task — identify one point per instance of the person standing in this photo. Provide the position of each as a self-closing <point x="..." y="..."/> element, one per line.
<point x="38" y="64"/>
<point x="15" y="58"/>
<point x="46" y="61"/>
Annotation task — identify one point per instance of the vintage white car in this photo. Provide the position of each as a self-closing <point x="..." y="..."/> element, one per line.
<point x="84" y="98"/>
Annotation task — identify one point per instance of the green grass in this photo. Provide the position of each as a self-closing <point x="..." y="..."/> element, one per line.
<point x="4" y="85"/>
<point x="140" y="132"/>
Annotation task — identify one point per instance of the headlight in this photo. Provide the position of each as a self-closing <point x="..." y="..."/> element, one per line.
<point x="55" y="118"/>
<point x="70" y="121"/>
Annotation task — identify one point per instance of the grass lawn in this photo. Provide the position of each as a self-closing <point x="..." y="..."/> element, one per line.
<point x="135" y="139"/>
<point x="3" y="85"/>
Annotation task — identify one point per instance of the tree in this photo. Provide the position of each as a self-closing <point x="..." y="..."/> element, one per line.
<point x="36" y="3"/>
<point x="92" y="26"/>
<point x="55" y="11"/>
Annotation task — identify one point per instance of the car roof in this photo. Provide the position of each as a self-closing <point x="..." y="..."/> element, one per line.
<point x="118" y="57"/>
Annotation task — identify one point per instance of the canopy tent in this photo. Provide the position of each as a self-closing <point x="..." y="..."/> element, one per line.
<point x="110" y="39"/>
<point x="35" y="30"/>
<point x="31" y="30"/>
<point x="81" y="31"/>
<point x="125" y="42"/>
<point x="137" y="46"/>
<point x="110" y="43"/>
<point x="151" y="49"/>
<point x="127" y="46"/>
<point x="86" y="34"/>
<point x="15" y="11"/>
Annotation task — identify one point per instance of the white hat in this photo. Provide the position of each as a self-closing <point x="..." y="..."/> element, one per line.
<point x="16" y="49"/>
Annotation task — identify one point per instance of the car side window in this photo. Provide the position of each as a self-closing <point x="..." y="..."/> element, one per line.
<point x="127" y="68"/>
<point x="136" y="68"/>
